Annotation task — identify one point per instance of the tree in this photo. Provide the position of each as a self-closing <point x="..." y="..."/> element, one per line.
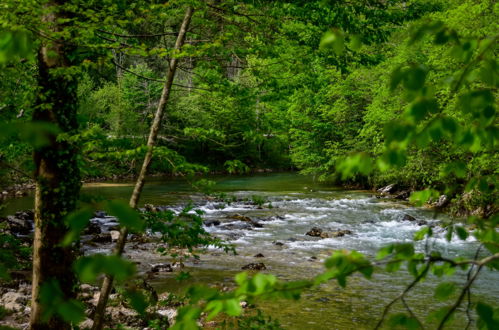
<point x="134" y="199"/>
<point x="57" y="174"/>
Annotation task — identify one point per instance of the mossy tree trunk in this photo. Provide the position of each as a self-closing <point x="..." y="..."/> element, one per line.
<point x="57" y="175"/>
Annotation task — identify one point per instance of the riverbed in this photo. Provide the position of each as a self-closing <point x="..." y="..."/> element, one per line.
<point x="290" y="206"/>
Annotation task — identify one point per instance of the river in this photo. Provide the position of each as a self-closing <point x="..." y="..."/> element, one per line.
<point x="298" y="204"/>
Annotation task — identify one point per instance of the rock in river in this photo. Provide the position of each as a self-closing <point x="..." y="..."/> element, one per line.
<point x="314" y="232"/>
<point x="254" y="266"/>
<point x="408" y="217"/>
<point x="318" y="232"/>
<point x="387" y="189"/>
<point x="161" y="268"/>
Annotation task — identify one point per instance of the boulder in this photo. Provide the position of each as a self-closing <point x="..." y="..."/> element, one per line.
<point x="102" y="238"/>
<point x="20" y="226"/>
<point x="254" y="266"/>
<point x="404" y="195"/>
<point x="150" y="208"/>
<point x="237" y="226"/>
<point x="387" y="189"/>
<point x="14" y="301"/>
<point x="87" y="324"/>
<point x="26" y="215"/>
<point x="100" y="214"/>
<point x="212" y="222"/>
<point x="169" y="313"/>
<point x="408" y="217"/>
<point x="114" y="235"/>
<point x="277" y="243"/>
<point x="259" y="255"/>
<point x="161" y="268"/>
<point x="340" y="233"/>
<point x="240" y="217"/>
<point x="314" y="232"/>
<point x="443" y="200"/>
<point x="92" y="228"/>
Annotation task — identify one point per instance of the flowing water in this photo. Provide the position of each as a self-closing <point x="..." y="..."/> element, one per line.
<point x="297" y="205"/>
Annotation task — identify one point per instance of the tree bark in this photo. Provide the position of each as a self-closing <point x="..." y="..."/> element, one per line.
<point x="57" y="175"/>
<point x="151" y="142"/>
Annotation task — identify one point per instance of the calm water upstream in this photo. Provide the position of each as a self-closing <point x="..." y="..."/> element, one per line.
<point x="299" y="204"/>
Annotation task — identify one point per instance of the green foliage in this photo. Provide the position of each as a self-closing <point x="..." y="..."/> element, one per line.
<point x="236" y="167"/>
<point x="14" y="254"/>
<point x="182" y="231"/>
<point x="54" y="302"/>
<point x="127" y="216"/>
<point x="488" y="316"/>
<point x="90" y="268"/>
<point x="15" y="45"/>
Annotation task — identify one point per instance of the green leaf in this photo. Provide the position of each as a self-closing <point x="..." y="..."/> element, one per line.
<point x="419" y="198"/>
<point x="403" y="320"/>
<point x="384" y="251"/>
<point x="461" y="232"/>
<point x="444" y="290"/>
<point x="72" y="311"/>
<point x="91" y="267"/>
<point x="414" y="77"/>
<point x="76" y="221"/>
<point x="137" y="300"/>
<point x="335" y="40"/>
<point x="15" y="45"/>
<point x="127" y="216"/>
<point x="420" y="234"/>
<point x="487" y="317"/>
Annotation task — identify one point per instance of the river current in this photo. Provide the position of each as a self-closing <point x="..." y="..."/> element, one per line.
<point x="292" y="205"/>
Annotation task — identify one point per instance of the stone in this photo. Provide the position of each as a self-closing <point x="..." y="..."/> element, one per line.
<point x="14" y="301"/>
<point x="178" y="265"/>
<point x="443" y="200"/>
<point x="254" y="266"/>
<point x="114" y="235"/>
<point x="324" y="235"/>
<point x="387" y="189"/>
<point x="340" y="233"/>
<point x="408" y="217"/>
<point x="404" y="195"/>
<point x="150" y="208"/>
<point x="19" y="226"/>
<point x="100" y="214"/>
<point x="102" y="238"/>
<point x="239" y="217"/>
<point x="259" y="255"/>
<point x="87" y="288"/>
<point x="92" y="228"/>
<point x="314" y="232"/>
<point x="237" y="226"/>
<point x="87" y="324"/>
<point x="278" y="243"/>
<point x="161" y="268"/>
<point x="169" y="313"/>
<point x="213" y="222"/>
<point x="25" y="215"/>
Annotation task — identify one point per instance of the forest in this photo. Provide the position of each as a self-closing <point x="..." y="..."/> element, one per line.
<point x="148" y="149"/>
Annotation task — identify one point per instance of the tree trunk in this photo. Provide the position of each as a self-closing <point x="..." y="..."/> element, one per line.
<point x="57" y="176"/>
<point x="134" y="199"/>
